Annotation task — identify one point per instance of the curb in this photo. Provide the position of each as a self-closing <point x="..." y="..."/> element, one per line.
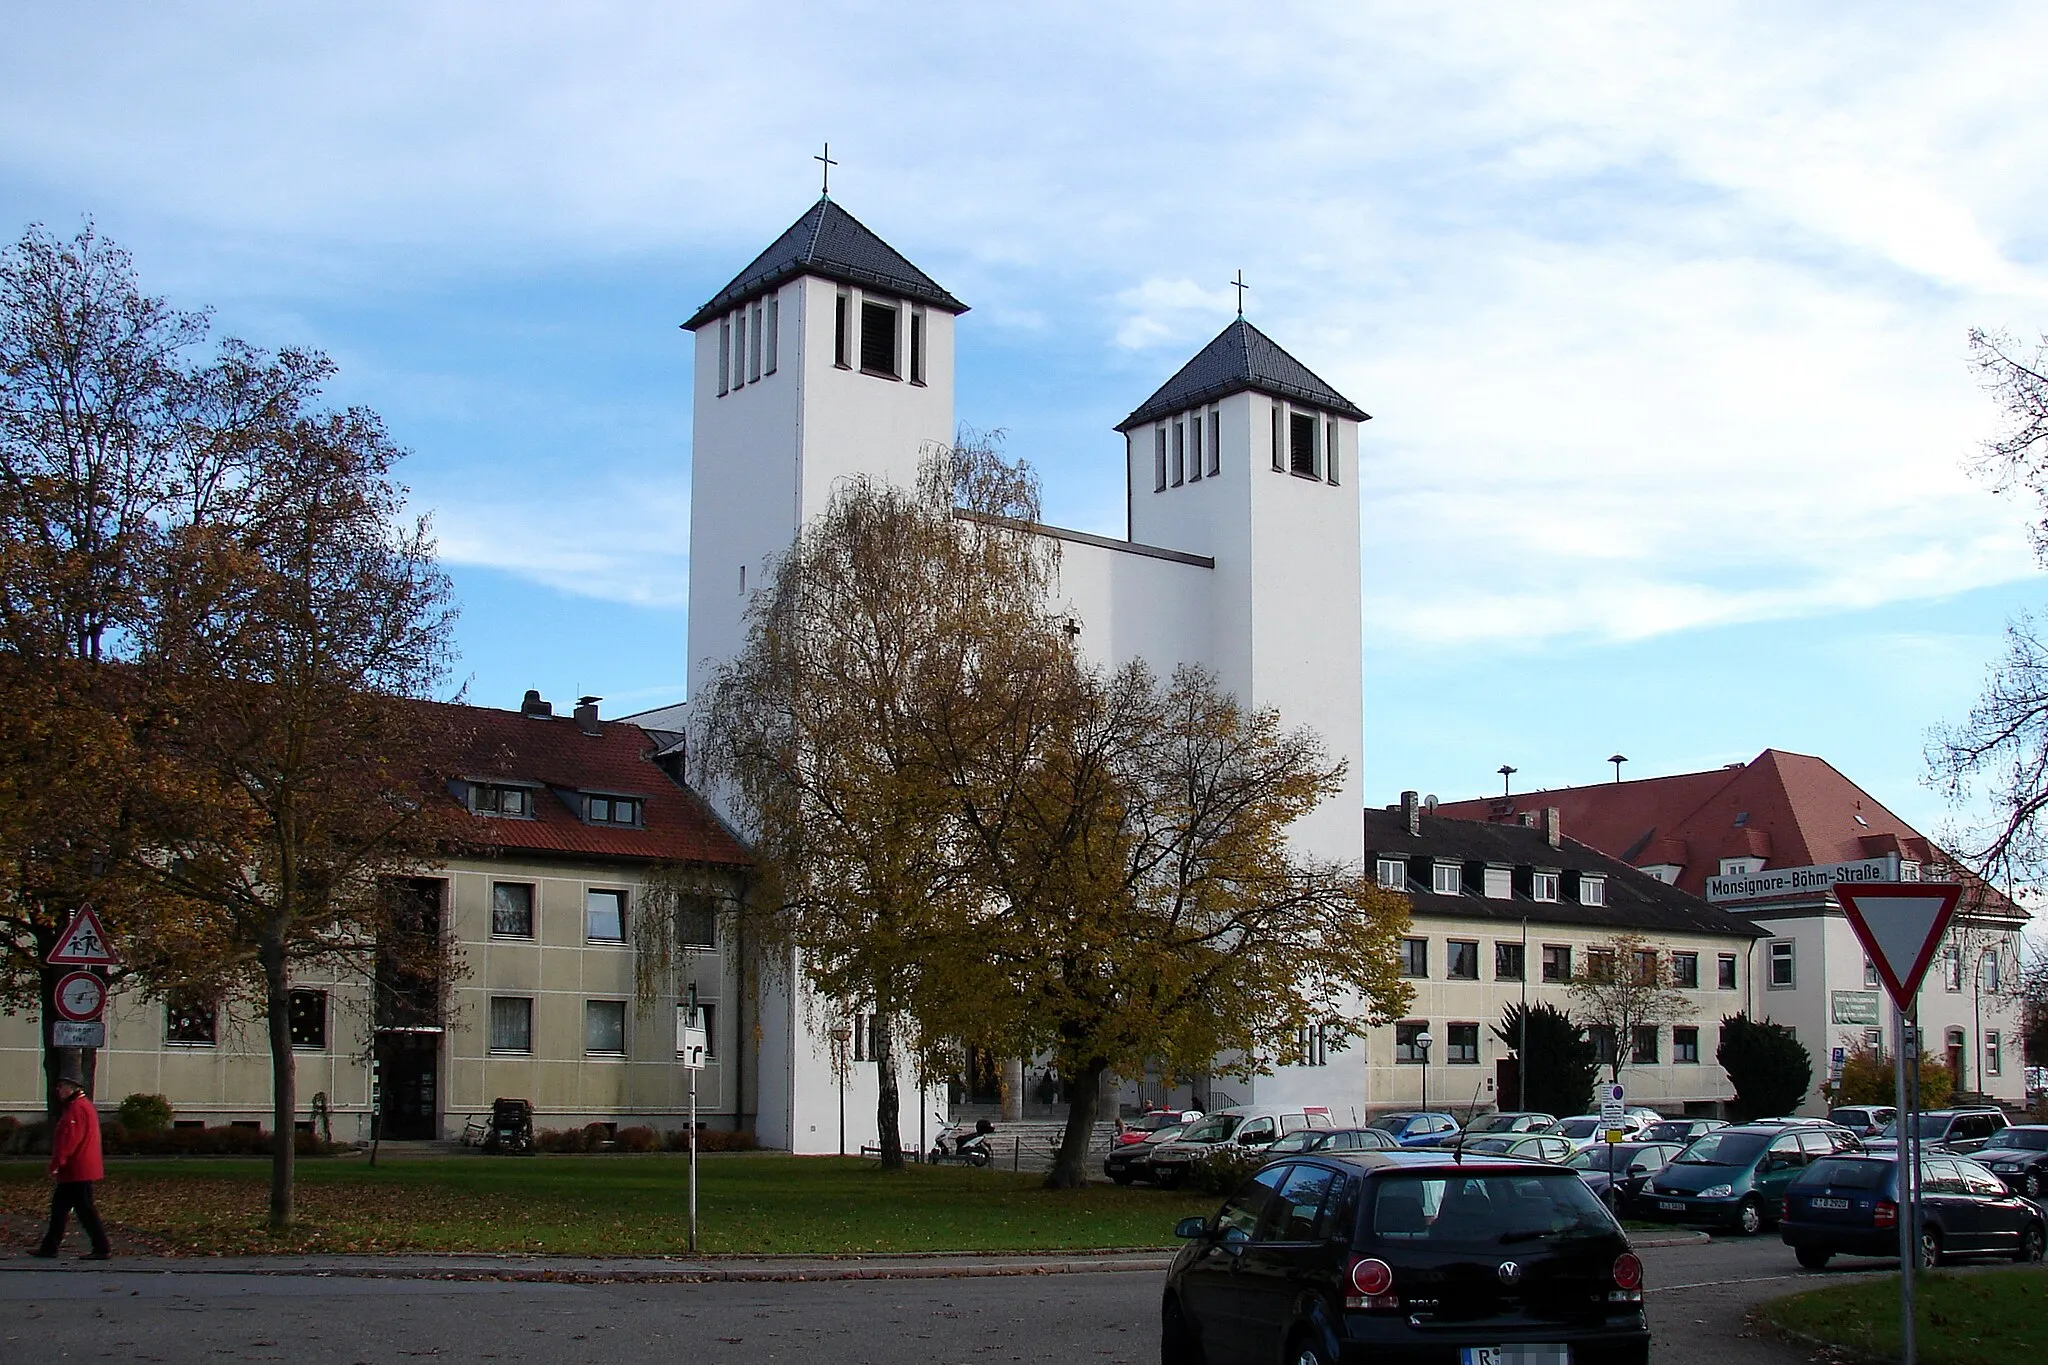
<point x="1670" y="1239"/>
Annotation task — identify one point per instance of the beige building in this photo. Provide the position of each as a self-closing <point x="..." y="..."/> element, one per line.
<point x="585" y="830"/>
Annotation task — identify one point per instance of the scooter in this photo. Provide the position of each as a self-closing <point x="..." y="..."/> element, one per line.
<point x="963" y="1144"/>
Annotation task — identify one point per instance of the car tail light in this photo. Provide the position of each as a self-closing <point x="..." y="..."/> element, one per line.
<point x="1372" y="1283"/>
<point x="1628" y="1271"/>
<point x="1886" y="1214"/>
<point x="1785" y="1208"/>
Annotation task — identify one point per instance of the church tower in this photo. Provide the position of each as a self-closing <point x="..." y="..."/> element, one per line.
<point x="829" y="355"/>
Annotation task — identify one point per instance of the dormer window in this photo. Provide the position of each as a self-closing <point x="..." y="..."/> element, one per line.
<point x="612" y="810"/>
<point x="1592" y="889"/>
<point x="1447" y="879"/>
<point x="1394" y="874"/>
<point x="1500" y="883"/>
<point x="501" y="799"/>
<point x="1543" y="886"/>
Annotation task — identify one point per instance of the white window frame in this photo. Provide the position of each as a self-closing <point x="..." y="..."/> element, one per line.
<point x="1393" y="874"/>
<point x="1447" y="879"/>
<point x="1543" y="885"/>
<point x="1592" y="888"/>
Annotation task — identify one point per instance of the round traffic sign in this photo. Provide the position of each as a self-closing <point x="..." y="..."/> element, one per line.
<point x="81" y="997"/>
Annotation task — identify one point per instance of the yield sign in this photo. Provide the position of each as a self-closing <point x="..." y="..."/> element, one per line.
<point x="84" y="943"/>
<point x="1901" y="924"/>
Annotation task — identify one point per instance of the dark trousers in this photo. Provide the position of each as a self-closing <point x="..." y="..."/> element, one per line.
<point x="70" y="1196"/>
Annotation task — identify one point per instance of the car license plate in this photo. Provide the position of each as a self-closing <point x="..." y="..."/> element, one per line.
<point x="1519" y="1354"/>
<point x="1670" y="1206"/>
<point x="1831" y="1203"/>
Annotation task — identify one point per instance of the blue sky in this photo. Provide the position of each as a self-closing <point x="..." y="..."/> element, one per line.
<point x="1660" y="310"/>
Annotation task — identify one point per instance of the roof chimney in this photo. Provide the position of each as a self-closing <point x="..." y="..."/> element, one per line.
<point x="1553" y="830"/>
<point x="586" y="716"/>
<point x="1411" y="812"/>
<point x="534" y="707"/>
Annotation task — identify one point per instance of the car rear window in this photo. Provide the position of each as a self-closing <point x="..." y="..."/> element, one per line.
<point x="1486" y="1209"/>
<point x="1724" y="1149"/>
<point x="1845" y="1173"/>
<point x="1578" y="1128"/>
<point x="1214" y="1129"/>
<point x="2022" y="1139"/>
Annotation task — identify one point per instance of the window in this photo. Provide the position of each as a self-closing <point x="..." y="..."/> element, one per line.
<point x="1544" y="886"/>
<point x="1508" y="962"/>
<point x="867" y="1037"/>
<point x="1215" y="443"/>
<point x="697" y="922"/>
<point x="1447" y="879"/>
<point x="1462" y="1045"/>
<point x="772" y="344"/>
<point x="604" y="1027"/>
<point x="1159" y="460"/>
<point x="1461" y="960"/>
<point x="739" y="348"/>
<point x="1644" y="968"/>
<point x="1310" y="1043"/>
<point x="1602" y="1038"/>
<point x="1994" y="1054"/>
<point x="1499" y="883"/>
<point x="1781" y="964"/>
<point x="1987" y="972"/>
<point x="1330" y="449"/>
<point x="1180" y="453"/>
<point x="307" y="1014"/>
<point x="1557" y="962"/>
<point x="1870" y="972"/>
<point x="1301" y="444"/>
<point x="1407" y="1043"/>
<point x="917" y="344"/>
<point x="754" y="347"/>
<point x="604" y="916"/>
<point x="1685" y="1045"/>
<point x="1415" y="957"/>
<point x="1727" y="973"/>
<point x="840" y="349"/>
<point x="1951" y="968"/>
<point x="487" y="798"/>
<point x="1600" y="964"/>
<point x="1592" y="889"/>
<point x="190" y="1019"/>
<point x="511" y="1023"/>
<point x="612" y="810"/>
<point x="878" y="338"/>
<point x="1685" y="971"/>
<point x="511" y="910"/>
<point x="1194" y="447"/>
<point x="1643" y="1044"/>
<point x="724" y="355"/>
<point x="1279" y="448"/>
<point x="1394" y="874"/>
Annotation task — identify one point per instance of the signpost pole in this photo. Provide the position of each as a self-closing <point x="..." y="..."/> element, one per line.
<point x="1908" y="1169"/>
<point x="693" y="1161"/>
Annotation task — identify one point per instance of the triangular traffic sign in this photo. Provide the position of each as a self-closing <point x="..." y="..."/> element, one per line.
<point x="84" y="943"/>
<point x="1900" y="924"/>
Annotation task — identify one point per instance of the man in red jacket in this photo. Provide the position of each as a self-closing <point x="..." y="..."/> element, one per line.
<point x="74" y="1165"/>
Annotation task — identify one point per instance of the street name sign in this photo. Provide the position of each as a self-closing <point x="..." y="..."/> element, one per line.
<point x="1900" y="924"/>
<point x="84" y="943"/>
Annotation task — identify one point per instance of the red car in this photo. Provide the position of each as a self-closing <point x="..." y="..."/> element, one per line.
<point x="1143" y="1126"/>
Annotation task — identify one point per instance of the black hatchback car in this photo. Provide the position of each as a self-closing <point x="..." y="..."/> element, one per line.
<point x="1849" y="1205"/>
<point x="1406" y="1256"/>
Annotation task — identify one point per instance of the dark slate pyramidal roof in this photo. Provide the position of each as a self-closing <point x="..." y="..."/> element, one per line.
<point x="1241" y="357"/>
<point x="829" y="242"/>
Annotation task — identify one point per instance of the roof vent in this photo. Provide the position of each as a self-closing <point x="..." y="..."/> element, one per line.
<point x="586" y="716"/>
<point x="534" y="707"/>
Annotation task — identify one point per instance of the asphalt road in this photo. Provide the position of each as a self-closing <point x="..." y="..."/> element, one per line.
<point x="1698" y="1297"/>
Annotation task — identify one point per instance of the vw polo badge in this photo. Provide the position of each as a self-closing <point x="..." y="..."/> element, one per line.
<point x="1510" y="1273"/>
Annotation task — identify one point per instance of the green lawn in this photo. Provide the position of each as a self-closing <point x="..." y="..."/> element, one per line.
<point x="613" y="1205"/>
<point x="1996" y="1317"/>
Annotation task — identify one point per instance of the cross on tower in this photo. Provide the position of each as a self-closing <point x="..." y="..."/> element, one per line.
<point x="829" y="163"/>
<point x="1240" y="286"/>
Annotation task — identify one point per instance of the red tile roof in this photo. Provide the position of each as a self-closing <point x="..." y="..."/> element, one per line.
<point x="1793" y="809"/>
<point x="677" y="825"/>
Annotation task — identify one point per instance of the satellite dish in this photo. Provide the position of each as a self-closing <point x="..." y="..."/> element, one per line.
<point x="1429" y="801"/>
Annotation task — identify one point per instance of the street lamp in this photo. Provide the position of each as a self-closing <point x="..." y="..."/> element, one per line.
<point x="840" y="1037"/>
<point x="1423" y="1043"/>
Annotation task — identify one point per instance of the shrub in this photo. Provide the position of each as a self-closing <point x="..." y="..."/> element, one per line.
<point x="1768" y="1065"/>
<point x="117" y="1139"/>
<point x="145" y="1113"/>
<point x="1223" y="1172"/>
<point x="1562" y="1063"/>
<point x="1868" y="1079"/>
<point x="638" y="1139"/>
<point x="24" y="1139"/>
<point x="713" y="1140"/>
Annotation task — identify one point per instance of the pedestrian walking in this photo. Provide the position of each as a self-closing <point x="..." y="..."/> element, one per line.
<point x="75" y="1165"/>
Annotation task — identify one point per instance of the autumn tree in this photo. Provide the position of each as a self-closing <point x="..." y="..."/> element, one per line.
<point x="888" y="614"/>
<point x="1133" y="834"/>
<point x="291" y="618"/>
<point x="1626" y="984"/>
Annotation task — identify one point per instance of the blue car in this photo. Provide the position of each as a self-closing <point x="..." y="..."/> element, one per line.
<point x="1417" y="1128"/>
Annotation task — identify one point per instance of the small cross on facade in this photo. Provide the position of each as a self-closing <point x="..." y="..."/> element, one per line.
<point x="1240" y="286"/>
<point x="829" y="163"/>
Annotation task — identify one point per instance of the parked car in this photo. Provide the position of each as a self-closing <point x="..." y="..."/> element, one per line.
<point x="1951" y="1130"/>
<point x="1584" y="1129"/>
<point x="1417" y="1129"/>
<point x="1144" y="1125"/>
<point x="1849" y="1205"/>
<point x="1331" y="1140"/>
<point x="1400" y="1255"/>
<point x="1617" y="1172"/>
<point x="2018" y="1155"/>
<point x="1864" y="1120"/>
<point x="1734" y="1177"/>
<point x="1240" y="1128"/>
<point x="1552" y="1147"/>
<point x="1680" y="1131"/>
<point x="1133" y="1161"/>
<point x="1513" y="1121"/>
